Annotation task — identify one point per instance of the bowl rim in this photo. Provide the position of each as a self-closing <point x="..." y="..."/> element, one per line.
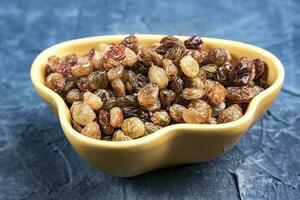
<point x="62" y="108"/>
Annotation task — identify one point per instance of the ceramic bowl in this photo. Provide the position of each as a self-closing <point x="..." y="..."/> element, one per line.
<point x="172" y="145"/>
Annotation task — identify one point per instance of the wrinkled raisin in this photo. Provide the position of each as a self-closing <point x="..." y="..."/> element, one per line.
<point x="198" y="112"/>
<point x="216" y="94"/>
<point x="114" y="56"/>
<point x="63" y="66"/>
<point x="116" y="117"/>
<point x="120" y="136"/>
<point x="92" y="100"/>
<point x="193" y="42"/>
<point x="83" y="83"/>
<point x="177" y="84"/>
<point x="148" y="95"/>
<point x="141" y="68"/>
<point x="130" y="57"/>
<point x="189" y="66"/>
<point x="176" y="53"/>
<point x="201" y="55"/>
<point x="92" y="130"/>
<point x="222" y="74"/>
<point x="144" y="56"/>
<point x="83" y="67"/>
<point x="151" y="128"/>
<point x="212" y="120"/>
<point x="196" y="116"/>
<point x="210" y="70"/>
<point x="73" y="95"/>
<point x="167" y="42"/>
<point x="97" y="59"/>
<point x="53" y="63"/>
<point x="161" y="118"/>
<point x="56" y="82"/>
<point x="98" y="79"/>
<point x="104" y="121"/>
<point x="70" y="83"/>
<point x="134" y="111"/>
<point x="118" y="87"/>
<point x="170" y="68"/>
<point x="135" y="83"/>
<point x="202" y="74"/>
<point x="153" y="107"/>
<point x="194" y="83"/>
<point x="218" y="56"/>
<point x="108" y="98"/>
<point x="176" y="112"/>
<point x="193" y="93"/>
<point x="167" y="97"/>
<point x="155" y="57"/>
<point x="239" y="95"/>
<point x="230" y="114"/>
<point x="133" y="127"/>
<point x="82" y="113"/>
<point x="158" y="75"/>
<point x="127" y="100"/>
<point x="260" y="67"/>
<point x="131" y="42"/>
<point x="116" y="72"/>
<point x="243" y="73"/>
<point x="71" y="59"/>
<point x="77" y="126"/>
<point x="180" y="100"/>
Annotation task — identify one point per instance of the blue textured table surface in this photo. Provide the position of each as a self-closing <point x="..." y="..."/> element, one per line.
<point x="36" y="160"/>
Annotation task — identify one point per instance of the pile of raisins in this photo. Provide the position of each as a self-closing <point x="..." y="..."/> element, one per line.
<point x="124" y="91"/>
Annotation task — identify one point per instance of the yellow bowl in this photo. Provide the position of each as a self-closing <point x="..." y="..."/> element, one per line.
<point x="172" y="145"/>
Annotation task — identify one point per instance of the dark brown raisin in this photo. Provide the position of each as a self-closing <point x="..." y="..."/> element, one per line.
<point x="193" y="42"/>
<point x="180" y="100"/>
<point x="134" y="111"/>
<point x="141" y="68"/>
<point x="104" y="121"/>
<point x="135" y="83"/>
<point x="177" y="84"/>
<point x="131" y="42"/>
<point x="222" y="74"/>
<point x="107" y="97"/>
<point x="114" y="56"/>
<point x="167" y="42"/>
<point x="260" y="67"/>
<point x="175" y="53"/>
<point x="70" y="83"/>
<point x="167" y="97"/>
<point x="243" y="73"/>
<point x="127" y="100"/>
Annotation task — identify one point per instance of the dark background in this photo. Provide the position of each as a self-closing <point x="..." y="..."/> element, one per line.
<point x="36" y="160"/>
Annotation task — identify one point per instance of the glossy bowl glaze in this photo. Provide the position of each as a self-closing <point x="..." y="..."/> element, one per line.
<point x="172" y="145"/>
